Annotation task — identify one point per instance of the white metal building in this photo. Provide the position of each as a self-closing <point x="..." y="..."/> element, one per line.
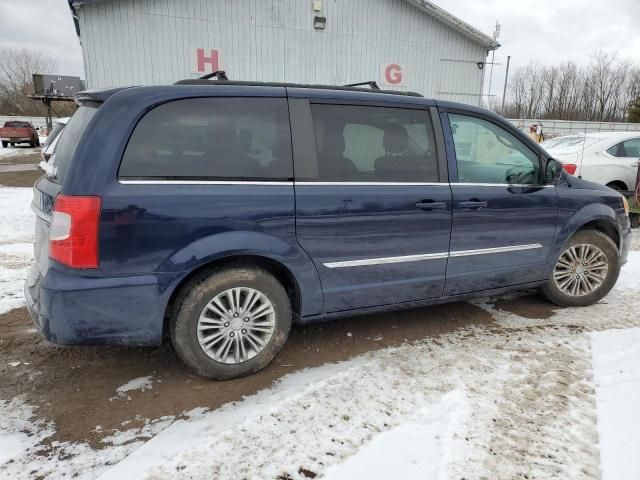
<point x="401" y="44"/>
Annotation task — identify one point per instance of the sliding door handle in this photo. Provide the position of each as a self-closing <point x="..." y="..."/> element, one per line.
<point x="431" y="205"/>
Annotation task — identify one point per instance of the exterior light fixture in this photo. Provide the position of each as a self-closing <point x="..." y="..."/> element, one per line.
<point x="319" y="23"/>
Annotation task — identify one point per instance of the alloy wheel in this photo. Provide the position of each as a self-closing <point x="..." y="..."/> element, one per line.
<point x="236" y="325"/>
<point x="581" y="270"/>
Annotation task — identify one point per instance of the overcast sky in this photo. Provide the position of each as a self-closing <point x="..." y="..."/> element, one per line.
<point x="548" y="31"/>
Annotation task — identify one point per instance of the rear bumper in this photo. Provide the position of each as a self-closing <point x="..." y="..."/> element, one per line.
<point x="17" y="139"/>
<point x="76" y="310"/>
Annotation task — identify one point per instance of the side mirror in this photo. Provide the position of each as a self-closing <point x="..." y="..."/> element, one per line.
<point x="552" y="171"/>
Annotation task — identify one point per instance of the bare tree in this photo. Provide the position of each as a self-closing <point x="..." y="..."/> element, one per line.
<point x="606" y="78"/>
<point x="603" y="90"/>
<point x="16" y="79"/>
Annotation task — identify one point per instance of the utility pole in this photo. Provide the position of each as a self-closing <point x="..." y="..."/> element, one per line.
<point x="506" y="79"/>
<point x="496" y="35"/>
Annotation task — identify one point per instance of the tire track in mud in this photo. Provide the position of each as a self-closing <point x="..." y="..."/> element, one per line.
<point x="546" y="423"/>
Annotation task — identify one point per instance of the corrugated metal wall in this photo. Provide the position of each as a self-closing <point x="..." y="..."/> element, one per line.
<point x="138" y="42"/>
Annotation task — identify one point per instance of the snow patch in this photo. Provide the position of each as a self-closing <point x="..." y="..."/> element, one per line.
<point x="16" y="151"/>
<point x="18" y="221"/>
<point x="49" y="168"/>
<point x="27" y="452"/>
<point x="11" y="288"/>
<point x="16" y="244"/>
<point x="137" y="384"/>
<point x="150" y="429"/>
<point x="416" y="449"/>
<point x="20" y="431"/>
<point x="616" y="371"/>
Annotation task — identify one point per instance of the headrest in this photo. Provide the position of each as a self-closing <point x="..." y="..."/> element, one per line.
<point x="396" y="139"/>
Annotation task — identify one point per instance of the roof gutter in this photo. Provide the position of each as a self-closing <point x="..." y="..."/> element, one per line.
<point x="457" y="24"/>
<point x="74" y="16"/>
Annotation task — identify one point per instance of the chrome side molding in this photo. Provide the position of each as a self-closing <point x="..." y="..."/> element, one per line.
<point x="430" y="256"/>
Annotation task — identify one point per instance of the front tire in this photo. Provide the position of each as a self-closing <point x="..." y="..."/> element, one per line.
<point x="616" y="186"/>
<point x="585" y="272"/>
<point x="231" y="323"/>
<point x="5" y="144"/>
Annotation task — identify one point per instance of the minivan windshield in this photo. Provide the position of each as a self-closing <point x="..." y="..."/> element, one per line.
<point x="68" y="142"/>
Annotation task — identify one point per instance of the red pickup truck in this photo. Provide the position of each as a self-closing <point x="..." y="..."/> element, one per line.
<point x="15" y="131"/>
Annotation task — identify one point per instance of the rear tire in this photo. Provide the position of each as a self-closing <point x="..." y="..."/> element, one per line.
<point x="5" y="144"/>
<point x="585" y="272"/>
<point x="231" y="323"/>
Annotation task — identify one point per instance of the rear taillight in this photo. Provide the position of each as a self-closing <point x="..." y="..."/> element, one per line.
<point x="570" y="168"/>
<point x="73" y="236"/>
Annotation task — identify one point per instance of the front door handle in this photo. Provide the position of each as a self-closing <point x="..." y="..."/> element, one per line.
<point x="473" y="204"/>
<point x="427" y="205"/>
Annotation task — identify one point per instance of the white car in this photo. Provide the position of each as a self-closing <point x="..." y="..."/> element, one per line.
<point x="607" y="158"/>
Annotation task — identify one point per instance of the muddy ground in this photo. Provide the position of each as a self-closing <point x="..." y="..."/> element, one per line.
<point x="20" y="179"/>
<point x="73" y="385"/>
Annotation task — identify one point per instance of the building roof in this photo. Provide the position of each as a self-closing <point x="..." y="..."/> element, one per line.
<point x="423" y="5"/>
<point x="455" y="23"/>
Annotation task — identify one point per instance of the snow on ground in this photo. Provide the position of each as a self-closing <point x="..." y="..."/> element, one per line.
<point x="20" y="430"/>
<point x="18" y="221"/>
<point x="140" y="384"/>
<point x="616" y="365"/>
<point x="22" y="434"/>
<point x="418" y="448"/>
<point x="16" y="244"/>
<point x="510" y="398"/>
<point x="20" y="150"/>
<point x="635" y="240"/>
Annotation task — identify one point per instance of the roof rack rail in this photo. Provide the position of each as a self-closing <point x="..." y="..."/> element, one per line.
<point x="218" y="74"/>
<point x="214" y="82"/>
<point x="372" y="83"/>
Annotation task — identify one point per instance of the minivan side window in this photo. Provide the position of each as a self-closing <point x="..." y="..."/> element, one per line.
<point x="487" y="153"/>
<point x="212" y="138"/>
<point x="628" y="148"/>
<point x="374" y="144"/>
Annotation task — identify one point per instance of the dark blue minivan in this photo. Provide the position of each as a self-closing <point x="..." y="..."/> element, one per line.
<point x="219" y="213"/>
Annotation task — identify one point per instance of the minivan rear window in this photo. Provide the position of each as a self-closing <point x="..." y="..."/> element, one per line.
<point x="69" y="141"/>
<point x="212" y="138"/>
